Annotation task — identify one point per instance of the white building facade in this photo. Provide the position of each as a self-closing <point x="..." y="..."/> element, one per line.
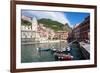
<point x="29" y="32"/>
<point x="35" y="32"/>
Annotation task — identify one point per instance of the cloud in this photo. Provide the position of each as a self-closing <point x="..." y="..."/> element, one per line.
<point x="56" y="16"/>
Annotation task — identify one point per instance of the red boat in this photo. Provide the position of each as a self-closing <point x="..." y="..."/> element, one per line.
<point x="62" y="56"/>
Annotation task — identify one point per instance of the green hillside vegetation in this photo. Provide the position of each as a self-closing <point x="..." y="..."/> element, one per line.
<point x="25" y="22"/>
<point x="67" y="27"/>
<point x="56" y="26"/>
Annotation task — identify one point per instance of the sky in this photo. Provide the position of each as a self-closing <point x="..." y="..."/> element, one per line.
<point x="72" y="18"/>
<point x="76" y="17"/>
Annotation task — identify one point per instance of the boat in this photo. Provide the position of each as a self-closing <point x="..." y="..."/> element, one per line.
<point x="44" y="49"/>
<point x="68" y="48"/>
<point x="53" y="49"/>
<point x="62" y="50"/>
<point x="61" y="56"/>
<point x="58" y="50"/>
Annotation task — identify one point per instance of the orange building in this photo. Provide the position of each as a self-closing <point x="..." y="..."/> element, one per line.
<point x="63" y="35"/>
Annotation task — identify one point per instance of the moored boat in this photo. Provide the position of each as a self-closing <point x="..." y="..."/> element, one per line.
<point x="61" y="56"/>
<point x="43" y="49"/>
<point x="68" y="48"/>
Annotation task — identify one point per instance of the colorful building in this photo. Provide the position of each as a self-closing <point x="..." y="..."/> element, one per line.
<point x="81" y="32"/>
<point x="85" y="29"/>
<point x="63" y="35"/>
<point x="36" y="31"/>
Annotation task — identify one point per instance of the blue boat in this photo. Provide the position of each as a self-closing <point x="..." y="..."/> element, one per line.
<point x="43" y="49"/>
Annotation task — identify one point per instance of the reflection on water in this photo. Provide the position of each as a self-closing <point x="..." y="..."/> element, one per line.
<point x="76" y="52"/>
<point x="30" y="53"/>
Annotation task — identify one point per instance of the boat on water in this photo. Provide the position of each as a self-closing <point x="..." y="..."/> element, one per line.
<point x="53" y="49"/>
<point x="58" y="50"/>
<point x="68" y="48"/>
<point x="43" y="49"/>
<point x="61" y="50"/>
<point x="61" y="56"/>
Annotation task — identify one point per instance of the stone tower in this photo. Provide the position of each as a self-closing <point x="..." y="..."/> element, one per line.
<point x="34" y="24"/>
<point x="35" y="28"/>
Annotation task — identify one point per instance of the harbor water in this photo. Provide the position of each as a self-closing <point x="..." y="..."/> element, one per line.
<point x="31" y="53"/>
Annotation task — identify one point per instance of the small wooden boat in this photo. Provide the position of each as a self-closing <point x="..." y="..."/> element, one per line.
<point x="61" y="56"/>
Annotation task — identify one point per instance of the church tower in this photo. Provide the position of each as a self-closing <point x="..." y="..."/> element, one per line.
<point x="34" y="24"/>
<point x="35" y="28"/>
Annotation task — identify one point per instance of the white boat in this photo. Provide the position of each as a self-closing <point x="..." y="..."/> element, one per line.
<point x="68" y="49"/>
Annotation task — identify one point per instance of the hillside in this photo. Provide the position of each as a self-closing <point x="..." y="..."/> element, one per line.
<point x="25" y="22"/>
<point x="56" y="26"/>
